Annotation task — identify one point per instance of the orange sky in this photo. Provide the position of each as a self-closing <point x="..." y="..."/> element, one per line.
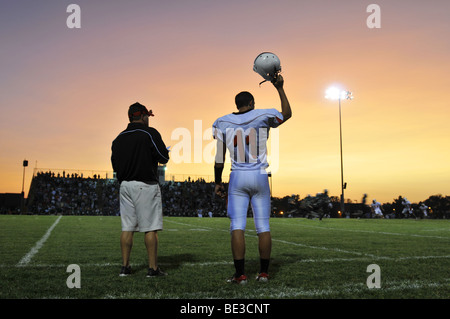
<point x="64" y="92"/>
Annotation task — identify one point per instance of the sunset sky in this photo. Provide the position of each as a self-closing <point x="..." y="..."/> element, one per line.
<point x="64" y="93"/>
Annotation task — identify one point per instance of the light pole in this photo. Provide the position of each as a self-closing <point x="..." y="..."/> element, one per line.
<point x="22" y="202"/>
<point x="25" y="164"/>
<point x="334" y="93"/>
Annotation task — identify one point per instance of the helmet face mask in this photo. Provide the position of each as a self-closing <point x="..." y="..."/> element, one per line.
<point x="267" y="65"/>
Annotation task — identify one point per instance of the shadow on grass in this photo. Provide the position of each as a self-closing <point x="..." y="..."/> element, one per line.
<point x="169" y="262"/>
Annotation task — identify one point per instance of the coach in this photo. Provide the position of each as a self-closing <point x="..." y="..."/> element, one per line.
<point x="136" y="153"/>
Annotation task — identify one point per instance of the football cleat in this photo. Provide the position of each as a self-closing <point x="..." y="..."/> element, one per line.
<point x="262" y="277"/>
<point x="125" y="271"/>
<point x="242" y="280"/>
<point x="155" y="273"/>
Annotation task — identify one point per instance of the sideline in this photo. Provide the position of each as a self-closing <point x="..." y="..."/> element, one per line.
<point x="27" y="258"/>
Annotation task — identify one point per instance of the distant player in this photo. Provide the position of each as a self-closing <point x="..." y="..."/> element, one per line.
<point x="244" y="134"/>
<point x="364" y="206"/>
<point x="424" y="209"/>
<point x="376" y="208"/>
<point x="407" y="210"/>
<point x="324" y="204"/>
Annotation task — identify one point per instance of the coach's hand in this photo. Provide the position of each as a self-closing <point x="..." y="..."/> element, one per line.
<point x="219" y="190"/>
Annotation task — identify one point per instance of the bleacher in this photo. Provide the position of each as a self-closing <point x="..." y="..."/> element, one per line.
<point x="73" y="194"/>
<point x="70" y="192"/>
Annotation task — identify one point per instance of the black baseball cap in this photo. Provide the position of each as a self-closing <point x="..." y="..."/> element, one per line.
<point x="137" y="109"/>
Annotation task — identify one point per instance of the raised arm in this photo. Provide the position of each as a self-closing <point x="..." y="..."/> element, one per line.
<point x="286" y="111"/>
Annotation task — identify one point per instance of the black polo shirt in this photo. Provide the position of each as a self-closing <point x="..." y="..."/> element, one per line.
<point x="136" y="153"/>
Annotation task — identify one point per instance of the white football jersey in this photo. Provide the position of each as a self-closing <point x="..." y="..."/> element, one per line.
<point x="377" y="207"/>
<point x="245" y="135"/>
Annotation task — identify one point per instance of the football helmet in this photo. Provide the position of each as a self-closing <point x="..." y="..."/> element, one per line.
<point x="267" y="65"/>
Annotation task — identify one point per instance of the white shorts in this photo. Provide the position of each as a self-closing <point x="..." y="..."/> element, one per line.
<point x="249" y="186"/>
<point x="140" y="206"/>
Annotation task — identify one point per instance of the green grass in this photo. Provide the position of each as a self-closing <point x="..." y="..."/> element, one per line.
<point x="310" y="259"/>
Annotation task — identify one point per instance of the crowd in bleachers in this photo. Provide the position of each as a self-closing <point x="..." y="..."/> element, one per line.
<point x="75" y="195"/>
<point x="72" y="195"/>
<point x="194" y="198"/>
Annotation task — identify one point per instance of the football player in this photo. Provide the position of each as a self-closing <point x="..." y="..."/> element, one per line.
<point x="244" y="134"/>
<point x="407" y="210"/>
<point x="376" y="207"/>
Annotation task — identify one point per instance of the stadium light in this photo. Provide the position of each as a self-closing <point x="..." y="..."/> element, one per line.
<point x="334" y="93"/>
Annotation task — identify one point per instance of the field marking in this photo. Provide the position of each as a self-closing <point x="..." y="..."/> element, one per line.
<point x="292" y="243"/>
<point x="269" y="291"/>
<point x="27" y="258"/>
<point x="349" y="230"/>
<point x="437" y="229"/>
<point x="282" y="292"/>
<point x="372" y="231"/>
<point x="290" y="292"/>
<point x="224" y="263"/>
<point x="320" y="247"/>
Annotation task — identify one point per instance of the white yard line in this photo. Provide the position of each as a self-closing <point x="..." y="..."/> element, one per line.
<point x="293" y="243"/>
<point x="345" y="230"/>
<point x="269" y="292"/>
<point x="282" y="292"/>
<point x="220" y="263"/>
<point x="370" y="231"/>
<point x="27" y="258"/>
<point x="331" y="249"/>
<point x="363" y="256"/>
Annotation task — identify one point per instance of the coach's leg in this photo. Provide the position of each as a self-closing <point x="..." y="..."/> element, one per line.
<point x="151" y="243"/>
<point x="126" y="243"/>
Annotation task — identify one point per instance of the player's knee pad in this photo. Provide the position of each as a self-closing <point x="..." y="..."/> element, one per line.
<point x="238" y="224"/>
<point x="262" y="225"/>
<point x="237" y="210"/>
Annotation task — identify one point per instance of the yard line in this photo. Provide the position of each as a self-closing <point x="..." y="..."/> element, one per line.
<point x="321" y="247"/>
<point x="371" y="231"/>
<point x="295" y="244"/>
<point x="190" y="225"/>
<point x="219" y="263"/>
<point x="283" y="292"/>
<point x="332" y="228"/>
<point x="326" y="248"/>
<point x="27" y="258"/>
<point x="290" y="292"/>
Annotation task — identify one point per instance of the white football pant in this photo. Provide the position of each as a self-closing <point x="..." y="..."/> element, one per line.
<point x="249" y="186"/>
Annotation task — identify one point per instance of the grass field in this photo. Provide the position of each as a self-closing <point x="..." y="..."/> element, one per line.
<point x="311" y="259"/>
